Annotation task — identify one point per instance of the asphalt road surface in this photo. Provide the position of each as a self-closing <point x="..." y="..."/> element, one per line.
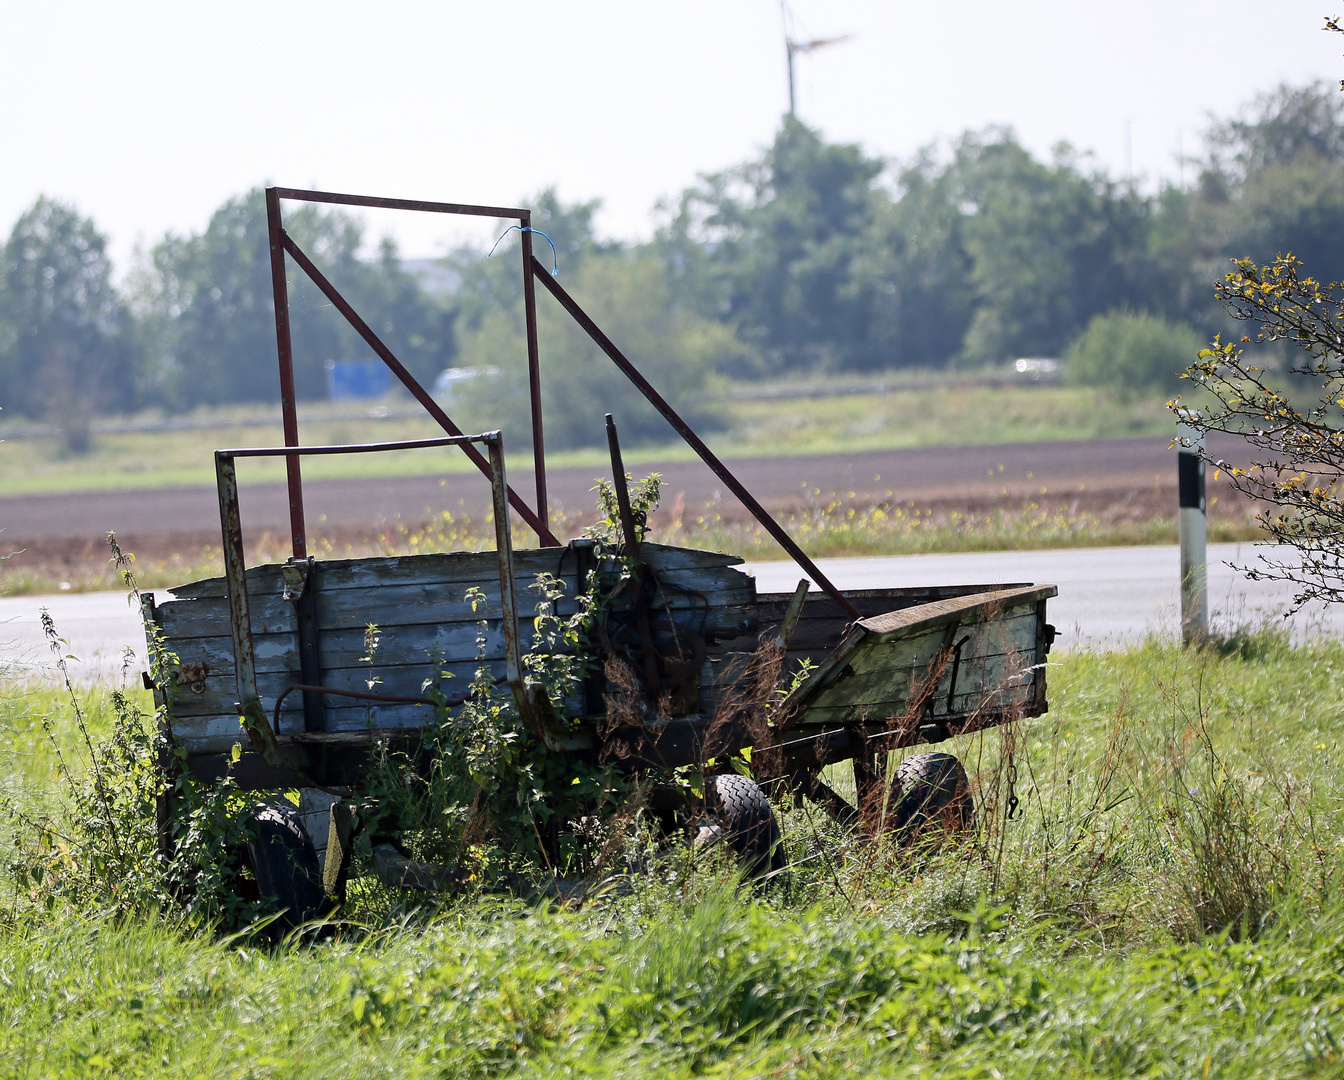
<point x="1108" y="597"/>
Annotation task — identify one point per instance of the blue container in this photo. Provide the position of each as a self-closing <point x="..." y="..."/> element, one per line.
<point x="356" y="380"/>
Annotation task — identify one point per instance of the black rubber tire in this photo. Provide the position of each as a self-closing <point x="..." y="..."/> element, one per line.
<point x="739" y="807"/>
<point x="930" y="797"/>
<point x="284" y="863"/>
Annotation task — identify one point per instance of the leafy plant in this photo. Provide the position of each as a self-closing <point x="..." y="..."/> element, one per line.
<point x="482" y="792"/>
<point x="101" y="847"/>
<point x="1297" y="450"/>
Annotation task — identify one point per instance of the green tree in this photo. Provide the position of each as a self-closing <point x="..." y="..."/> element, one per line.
<point x="1271" y="182"/>
<point x="1296" y="450"/>
<point x="1050" y="246"/>
<point x="69" y="353"/>
<point x="629" y="296"/>
<point x="1281" y="165"/>
<point x="209" y="299"/>
<point x="1132" y="355"/>
<point x="491" y="283"/>
<point x="769" y="247"/>
<point x="912" y="272"/>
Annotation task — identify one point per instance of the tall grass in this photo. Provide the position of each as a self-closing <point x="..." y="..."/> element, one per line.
<point x="1165" y="902"/>
<point x="729" y="989"/>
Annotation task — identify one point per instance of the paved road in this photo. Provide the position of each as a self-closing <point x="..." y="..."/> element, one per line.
<point x="1107" y="597"/>
<point x="955" y="473"/>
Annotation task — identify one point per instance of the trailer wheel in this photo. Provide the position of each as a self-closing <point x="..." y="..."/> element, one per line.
<point x="742" y="814"/>
<point x="282" y="859"/>
<point x="929" y="795"/>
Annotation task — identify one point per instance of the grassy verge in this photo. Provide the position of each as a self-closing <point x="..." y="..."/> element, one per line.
<point x="923" y="414"/>
<point x="1165" y="900"/>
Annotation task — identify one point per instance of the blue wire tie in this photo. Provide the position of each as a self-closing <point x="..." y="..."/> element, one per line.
<point x="555" y="262"/>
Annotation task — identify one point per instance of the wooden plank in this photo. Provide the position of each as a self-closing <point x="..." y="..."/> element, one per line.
<point x="876" y="670"/>
<point x="892" y="691"/>
<point x="881" y="659"/>
<point x="728" y="607"/>
<point x="451" y="567"/>
<point x="217" y="733"/>
<point x="1015" y="635"/>
<point x="870" y="602"/>
<point x="344" y="648"/>
<point x="1009" y="702"/>
<point x="436" y="568"/>
<point x="342" y="609"/>
<point x="823" y="622"/>
<point x="977" y="607"/>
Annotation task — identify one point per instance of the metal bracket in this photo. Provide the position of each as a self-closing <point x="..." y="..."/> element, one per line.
<point x="192" y="676"/>
<point x="295" y="575"/>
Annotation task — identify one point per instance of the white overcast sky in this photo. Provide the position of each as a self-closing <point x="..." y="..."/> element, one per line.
<point x="149" y="115"/>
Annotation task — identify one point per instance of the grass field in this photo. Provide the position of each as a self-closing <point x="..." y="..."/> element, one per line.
<point x="930" y="413"/>
<point x="1167" y="902"/>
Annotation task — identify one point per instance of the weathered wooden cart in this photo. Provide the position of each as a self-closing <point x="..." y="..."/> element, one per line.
<point x="281" y="647"/>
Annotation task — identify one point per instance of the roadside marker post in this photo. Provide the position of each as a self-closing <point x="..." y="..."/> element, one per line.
<point x="1194" y="534"/>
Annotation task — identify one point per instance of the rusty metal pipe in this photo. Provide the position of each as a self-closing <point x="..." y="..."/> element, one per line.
<point x="303" y="195"/>
<point x="691" y="438"/>
<point x="534" y="370"/>
<point x="361" y="695"/>
<point x="408" y="380"/>
<point x="351" y="448"/>
<point x="285" y="353"/>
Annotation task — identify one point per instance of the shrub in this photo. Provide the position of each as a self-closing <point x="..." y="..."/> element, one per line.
<point x="1132" y="355"/>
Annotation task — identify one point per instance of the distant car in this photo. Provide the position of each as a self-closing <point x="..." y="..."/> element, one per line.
<point x="453" y="378"/>
<point x="1036" y="367"/>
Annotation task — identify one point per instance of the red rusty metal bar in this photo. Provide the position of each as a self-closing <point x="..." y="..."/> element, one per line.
<point x="302" y="195"/>
<point x="284" y="348"/>
<point x="352" y="448"/>
<point x="534" y="369"/>
<point x="692" y="439"/>
<point x="408" y="380"/>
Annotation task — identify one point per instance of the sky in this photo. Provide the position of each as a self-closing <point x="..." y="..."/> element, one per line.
<point x="148" y="115"/>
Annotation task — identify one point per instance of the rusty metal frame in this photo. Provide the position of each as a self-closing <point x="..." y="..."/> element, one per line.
<point x="235" y="564"/>
<point x="691" y="438"/>
<point x="282" y="243"/>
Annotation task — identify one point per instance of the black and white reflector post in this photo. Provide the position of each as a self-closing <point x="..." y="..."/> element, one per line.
<point x="1194" y="535"/>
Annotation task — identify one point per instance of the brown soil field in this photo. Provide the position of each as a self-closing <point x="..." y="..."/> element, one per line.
<point x="1117" y="482"/>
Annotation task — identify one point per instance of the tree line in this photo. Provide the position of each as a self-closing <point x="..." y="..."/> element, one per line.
<point x="811" y="258"/>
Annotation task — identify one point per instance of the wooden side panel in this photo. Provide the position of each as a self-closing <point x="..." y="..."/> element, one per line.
<point x="951" y="658"/>
<point x="426" y="622"/>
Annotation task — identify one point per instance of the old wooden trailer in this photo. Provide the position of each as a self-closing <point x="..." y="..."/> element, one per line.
<point x="275" y="656"/>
